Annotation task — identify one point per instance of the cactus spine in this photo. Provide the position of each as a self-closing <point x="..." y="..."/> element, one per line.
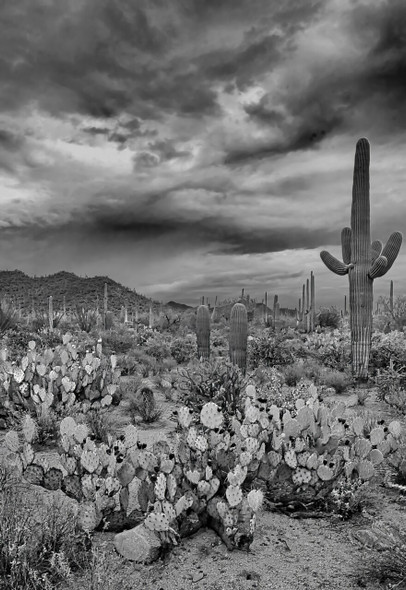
<point x="362" y="261"/>
<point x="238" y="335"/>
<point x="203" y="332"/>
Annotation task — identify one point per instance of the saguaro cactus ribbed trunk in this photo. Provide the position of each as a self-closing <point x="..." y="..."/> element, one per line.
<point x="203" y="332"/>
<point x="391" y="297"/>
<point x="362" y="261"/>
<point x="238" y="335"/>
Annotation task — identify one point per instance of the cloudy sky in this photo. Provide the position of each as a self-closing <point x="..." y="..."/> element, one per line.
<point x="195" y="147"/>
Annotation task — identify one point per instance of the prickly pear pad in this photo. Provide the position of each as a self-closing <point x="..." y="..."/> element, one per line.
<point x="211" y="415"/>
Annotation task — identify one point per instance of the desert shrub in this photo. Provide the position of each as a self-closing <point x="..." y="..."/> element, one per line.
<point x="388" y="566"/>
<point x="218" y="381"/>
<point x="347" y="498"/>
<point x="285" y="397"/>
<point x="393" y="319"/>
<point x="157" y="347"/>
<point x="331" y="349"/>
<point x="293" y="373"/>
<point x="129" y="362"/>
<point x="86" y="319"/>
<point x="312" y="370"/>
<point x="47" y="427"/>
<point x="183" y="349"/>
<point x="8" y="316"/>
<point x="273" y="350"/>
<point x="268" y="382"/>
<point x="386" y="348"/>
<point x="391" y="383"/>
<point x="169" y="321"/>
<point x="99" y="423"/>
<point x="337" y="379"/>
<point x="219" y="341"/>
<point x="143" y="404"/>
<point x="36" y="554"/>
<point x="328" y="317"/>
<point x="16" y="341"/>
<point x="118" y="341"/>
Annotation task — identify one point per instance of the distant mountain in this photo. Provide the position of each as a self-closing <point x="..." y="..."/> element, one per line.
<point x="87" y="292"/>
<point x="178" y="306"/>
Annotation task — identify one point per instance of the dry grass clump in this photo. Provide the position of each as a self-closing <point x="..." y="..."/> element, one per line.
<point x="36" y="553"/>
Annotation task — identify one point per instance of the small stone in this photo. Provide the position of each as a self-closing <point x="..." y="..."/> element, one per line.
<point x="198" y="576"/>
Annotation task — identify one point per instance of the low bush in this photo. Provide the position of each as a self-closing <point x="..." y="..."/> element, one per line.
<point x="273" y="350"/>
<point x="293" y="373"/>
<point x="183" y="349"/>
<point x="387" y="348"/>
<point x="336" y="379"/>
<point x="218" y="381"/>
<point x="118" y="341"/>
<point x="328" y="317"/>
<point x="143" y="404"/>
<point x="37" y="554"/>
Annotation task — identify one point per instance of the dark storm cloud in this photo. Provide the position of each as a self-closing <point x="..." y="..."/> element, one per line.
<point x="103" y="57"/>
<point x="161" y="150"/>
<point x="155" y="219"/>
<point x="366" y="92"/>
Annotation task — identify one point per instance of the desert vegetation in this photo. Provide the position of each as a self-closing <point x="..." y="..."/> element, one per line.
<point x="127" y="429"/>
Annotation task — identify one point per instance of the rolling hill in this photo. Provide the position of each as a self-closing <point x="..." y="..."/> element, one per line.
<point x="30" y="293"/>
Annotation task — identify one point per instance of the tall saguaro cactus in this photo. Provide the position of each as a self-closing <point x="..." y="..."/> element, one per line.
<point x="363" y="261"/>
<point x="238" y="335"/>
<point x="203" y="332"/>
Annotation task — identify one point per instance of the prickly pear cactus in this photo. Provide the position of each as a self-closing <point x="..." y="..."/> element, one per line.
<point x="60" y="377"/>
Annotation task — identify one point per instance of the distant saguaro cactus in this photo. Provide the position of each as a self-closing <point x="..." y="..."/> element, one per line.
<point x="203" y="332"/>
<point x="50" y="314"/>
<point x="238" y="335"/>
<point x="105" y="307"/>
<point x="362" y="261"/>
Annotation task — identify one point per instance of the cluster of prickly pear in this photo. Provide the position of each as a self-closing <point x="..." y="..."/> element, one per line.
<point x="60" y="377"/>
<point x="312" y="445"/>
<point x="216" y="453"/>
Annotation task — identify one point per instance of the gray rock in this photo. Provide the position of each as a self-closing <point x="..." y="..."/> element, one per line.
<point x="138" y="544"/>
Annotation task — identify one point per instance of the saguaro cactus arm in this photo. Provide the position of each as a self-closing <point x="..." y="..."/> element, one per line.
<point x="390" y="252"/>
<point x="376" y="250"/>
<point x="333" y="264"/>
